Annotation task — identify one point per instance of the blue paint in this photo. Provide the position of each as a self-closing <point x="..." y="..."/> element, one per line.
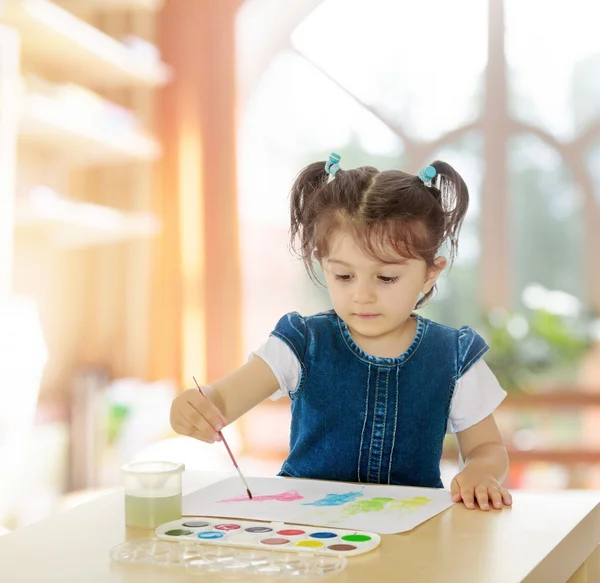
<point x="211" y="534"/>
<point x="323" y="535"/>
<point x="335" y="499"/>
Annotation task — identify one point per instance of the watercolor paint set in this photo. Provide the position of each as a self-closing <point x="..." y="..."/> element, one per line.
<point x="276" y="536"/>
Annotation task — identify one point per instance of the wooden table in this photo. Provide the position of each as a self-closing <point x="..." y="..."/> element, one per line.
<point x="544" y="538"/>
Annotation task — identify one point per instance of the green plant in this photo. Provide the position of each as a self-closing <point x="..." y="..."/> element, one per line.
<point x="531" y="349"/>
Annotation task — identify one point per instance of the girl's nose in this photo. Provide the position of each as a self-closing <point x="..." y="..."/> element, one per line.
<point x="363" y="294"/>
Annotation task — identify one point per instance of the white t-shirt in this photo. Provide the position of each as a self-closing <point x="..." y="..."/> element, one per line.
<point x="476" y="395"/>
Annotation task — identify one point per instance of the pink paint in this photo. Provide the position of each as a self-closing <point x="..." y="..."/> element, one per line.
<point x="227" y="527"/>
<point x="290" y="496"/>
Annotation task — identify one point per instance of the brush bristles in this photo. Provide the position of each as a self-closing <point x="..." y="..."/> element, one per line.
<point x="249" y="493"/>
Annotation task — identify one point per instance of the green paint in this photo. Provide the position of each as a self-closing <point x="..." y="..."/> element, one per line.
<point x="368" y="505"/>
<point x="356" y="538"/>
<point x="410" y="504"/>
<point x="383" y="504"/>
<point x="178" y="532"/>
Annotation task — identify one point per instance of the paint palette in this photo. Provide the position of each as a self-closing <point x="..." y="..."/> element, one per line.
<point x="275" y="536"/>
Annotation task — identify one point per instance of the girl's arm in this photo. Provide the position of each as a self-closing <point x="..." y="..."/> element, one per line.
<point x="224" y="401"/>
<point x="243" y="389"/>
<point x="486" y="465"/>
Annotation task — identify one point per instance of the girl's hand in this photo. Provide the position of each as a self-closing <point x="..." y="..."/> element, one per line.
<point x="194" y="415"/>
<point x="474" y="484"/>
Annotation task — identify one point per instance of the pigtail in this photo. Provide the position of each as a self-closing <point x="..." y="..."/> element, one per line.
<point x="303" y="210"/>
<point x="388" y="214"/>
<point x="449" y="188"/>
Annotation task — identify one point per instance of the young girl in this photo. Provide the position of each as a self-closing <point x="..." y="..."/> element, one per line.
<point x="374" y="386"/>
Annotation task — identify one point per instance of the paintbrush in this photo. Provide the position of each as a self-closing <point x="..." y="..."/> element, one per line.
<point x="228" y="450"/>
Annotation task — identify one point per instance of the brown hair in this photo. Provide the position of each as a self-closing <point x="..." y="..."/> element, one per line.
<point x="382" y="210"/>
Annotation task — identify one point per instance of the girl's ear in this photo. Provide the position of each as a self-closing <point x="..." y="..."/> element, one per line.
<point x="439" y="264"/>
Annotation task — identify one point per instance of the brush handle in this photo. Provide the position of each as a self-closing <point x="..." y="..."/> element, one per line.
<point x="219" y="433"/>
<point x="227" y="447"/>
<point x="228" y="450"/>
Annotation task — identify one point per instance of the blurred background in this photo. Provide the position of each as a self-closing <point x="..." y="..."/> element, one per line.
<point x="147" y="148"/>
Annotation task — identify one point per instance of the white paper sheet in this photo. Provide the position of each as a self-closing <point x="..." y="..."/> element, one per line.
<point x="376" y="508"/>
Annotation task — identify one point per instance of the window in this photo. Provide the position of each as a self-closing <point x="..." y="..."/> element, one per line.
<point x="401" y="83"/>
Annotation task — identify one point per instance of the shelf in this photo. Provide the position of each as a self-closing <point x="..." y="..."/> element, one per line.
<point x="119" y="5"/>
<point x="47" y="124"/>
<point x="554" y="456"/>
<point x="565" y="457"/>
<point x="68" y="46"/>
<point x="551" y="399"/>
<point x="71" y="224"/>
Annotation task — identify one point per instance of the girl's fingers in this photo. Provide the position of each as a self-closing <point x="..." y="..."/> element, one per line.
<point x="207" y="410"/>
<point x="484" y="495"/>
<point x="481" y="492"/>
<point x="467" y="497"/>
<point x="455" y="490"/>
<point x="176" y="423"/>
<point x="495" y="496"/>
<point x="180" y="423"/>
<point x="197" y="427"/>
<point x="197" y="418"/>
<point x="202" y="437"/>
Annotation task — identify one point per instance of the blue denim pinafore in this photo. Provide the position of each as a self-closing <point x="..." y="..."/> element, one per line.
<point x="362" y="418"/>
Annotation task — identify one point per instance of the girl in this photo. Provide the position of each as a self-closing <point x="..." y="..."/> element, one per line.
<point x="374" y="386"/>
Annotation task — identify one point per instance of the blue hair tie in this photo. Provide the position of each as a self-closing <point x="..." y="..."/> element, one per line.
<point x="427" y="174"/>
<point x="332" y="165"/>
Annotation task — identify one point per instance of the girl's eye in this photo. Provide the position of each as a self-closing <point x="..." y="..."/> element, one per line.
<point x="342" y="277"/>
<point x="388" y="279"/>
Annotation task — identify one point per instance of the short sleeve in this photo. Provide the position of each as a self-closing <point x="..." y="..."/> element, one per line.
<point x="291" y="328"/>
<point x="477" y="394"/>
<point x="283" y="363"/>
<point x="471" y="347"/>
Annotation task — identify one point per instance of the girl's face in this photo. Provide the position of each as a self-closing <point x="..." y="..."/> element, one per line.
<point x="374" y="299"/>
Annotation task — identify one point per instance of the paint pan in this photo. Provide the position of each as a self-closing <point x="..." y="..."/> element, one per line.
<point x="275" y="536"/>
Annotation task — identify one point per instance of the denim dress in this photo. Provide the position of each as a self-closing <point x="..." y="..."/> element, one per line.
<point x="362" y="418"/>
